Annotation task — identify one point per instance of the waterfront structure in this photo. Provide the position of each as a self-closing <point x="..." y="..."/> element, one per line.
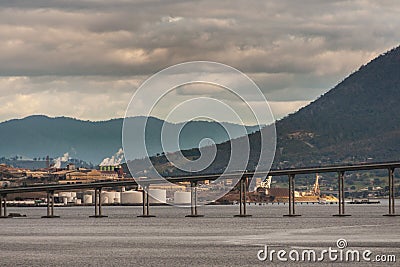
<point x="194" y="179"/>
<point x="77" y="177"/>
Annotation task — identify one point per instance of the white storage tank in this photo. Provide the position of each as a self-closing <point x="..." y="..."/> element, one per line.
<point x="64" y="194"/>
<point x="157" y="196"/>
<point x="131" y="197"/>
<point x="111" y="196"/>
<point x="88" y="199"/>
<point x="107" y="197"/>
<point x="104" y="197"/>
<point x="181" y="197"/>
<point x="117" y="197"/>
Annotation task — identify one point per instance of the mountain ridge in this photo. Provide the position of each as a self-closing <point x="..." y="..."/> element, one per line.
<point x="356" y="121"/>
<point x="40" y="135"/>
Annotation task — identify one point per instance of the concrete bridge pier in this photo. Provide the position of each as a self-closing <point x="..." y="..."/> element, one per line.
<point x="341" y="195"/>
<point x="243" y="184"/>
<point x="292" y="200"/>
<point x="3" y="206"/>
<point x="98" y="212"/>
<point x="391" y="193"/>
<point x="193" y="200"/>
<point x="50" y="205"/>
<point x="145" y="203"/>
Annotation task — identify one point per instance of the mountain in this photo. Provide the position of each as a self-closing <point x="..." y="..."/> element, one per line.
<point x="39" y="136"/>
<point x="356" y="121"/>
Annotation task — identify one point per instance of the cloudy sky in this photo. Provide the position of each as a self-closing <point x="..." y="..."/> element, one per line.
<point x="86" y="58"/>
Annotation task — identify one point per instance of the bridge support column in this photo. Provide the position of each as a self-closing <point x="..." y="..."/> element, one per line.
<point x="98" y="212"/>
<point x="145" y="204"/>
<point x="292" y="200"/>
<point x="193" y="201"/>
<point x="341" y="195"/>
<point x="391" y="193"/>
<point x="50" y="206"/>
<point x="243" y="183"/>
<point x="3" y="206"/>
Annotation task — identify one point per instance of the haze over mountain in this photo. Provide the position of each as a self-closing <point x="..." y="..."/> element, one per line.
<point x="39" y="136"/>
<point x="356" y="121"/>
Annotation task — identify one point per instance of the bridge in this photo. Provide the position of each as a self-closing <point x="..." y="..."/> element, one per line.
<point x="194" y="179"/>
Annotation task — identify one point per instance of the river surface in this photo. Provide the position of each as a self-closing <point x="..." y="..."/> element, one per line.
<point x="170" y="239"/>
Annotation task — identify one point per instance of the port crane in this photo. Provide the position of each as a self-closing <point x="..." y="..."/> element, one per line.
<point x="316" y="189"/>
<point x="267" y="183"/>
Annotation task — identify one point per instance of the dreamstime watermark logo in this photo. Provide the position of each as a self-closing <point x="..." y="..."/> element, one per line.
<point x="194" y="91"/>
<point x="338" y="254"/>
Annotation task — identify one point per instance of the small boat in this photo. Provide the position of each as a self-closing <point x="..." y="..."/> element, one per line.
<point x="16" y="215"/>
<point x="328" y="200"/>
<point x="363" y="201"/>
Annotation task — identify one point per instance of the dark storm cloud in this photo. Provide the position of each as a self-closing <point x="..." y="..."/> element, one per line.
<point x="120" y="38"/>
<point x="294" y="50"/>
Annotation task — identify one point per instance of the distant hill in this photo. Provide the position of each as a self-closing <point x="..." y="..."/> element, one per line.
<point x="356" y="121"/>
<point x="39" y="136"/>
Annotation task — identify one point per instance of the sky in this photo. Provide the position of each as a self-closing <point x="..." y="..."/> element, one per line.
<point x="86" y="58"/>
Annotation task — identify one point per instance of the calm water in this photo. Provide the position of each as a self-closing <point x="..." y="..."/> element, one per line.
<point x="170" y="239"/>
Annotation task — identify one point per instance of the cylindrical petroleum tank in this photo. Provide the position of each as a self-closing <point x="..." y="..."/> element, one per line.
<point x="157" y="196"/>
<point x="64" y="194"/>
<point x="182" y="197"/>
<point x="104" y="197"/>
<point x="117" y="197"/>
<point x="88" y="199"/>
<point x="111" y="196"/>
<point x="91" y="192"/>
<point x="131" y="197"/>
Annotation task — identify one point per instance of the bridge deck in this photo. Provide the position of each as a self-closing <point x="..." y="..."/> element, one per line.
<point x="340" y="168"/>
